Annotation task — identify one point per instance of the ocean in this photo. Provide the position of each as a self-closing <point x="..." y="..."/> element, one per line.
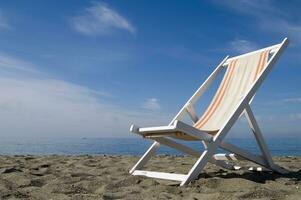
<point x="127" y="146"/>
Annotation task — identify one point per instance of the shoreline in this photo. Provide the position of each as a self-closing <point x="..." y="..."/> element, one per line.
<point x="107" y="177"/>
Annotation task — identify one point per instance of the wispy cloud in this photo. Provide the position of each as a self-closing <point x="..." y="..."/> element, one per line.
<point x="285" y="101"/>
<point x="257" y="8"/>
<point x="286" y="28"/>
<point x="151" y="104"/>
<point x="3" y="21"/>
<point x="100" y="19"/>
<point x="9" y="63"/>
<point x="268" y="17"/>
<point x="242" y="46"/>
<point x="43" y="106"/>
<point x="295" y="117"/>
<point x="292" y="100"/>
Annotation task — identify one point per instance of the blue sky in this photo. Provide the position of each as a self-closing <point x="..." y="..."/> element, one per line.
<point x="91" y="68"/>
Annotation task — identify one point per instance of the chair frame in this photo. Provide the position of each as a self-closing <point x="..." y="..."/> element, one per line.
<point x="211" y="143"/>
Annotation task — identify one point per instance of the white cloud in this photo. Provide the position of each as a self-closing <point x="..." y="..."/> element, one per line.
<point x="46" y="107"/>
<point x="100" y="19"/>
<point x="242" y="46"/>
<point x="151" y="104"/>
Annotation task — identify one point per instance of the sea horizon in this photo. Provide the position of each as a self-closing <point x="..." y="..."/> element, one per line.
<point x="126" y="146"/>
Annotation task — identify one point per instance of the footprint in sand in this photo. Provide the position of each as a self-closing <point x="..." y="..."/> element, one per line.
<point x="40" y="170"/>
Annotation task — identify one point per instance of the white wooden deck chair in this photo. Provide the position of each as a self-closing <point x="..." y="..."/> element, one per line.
<point x="244" y="75"/>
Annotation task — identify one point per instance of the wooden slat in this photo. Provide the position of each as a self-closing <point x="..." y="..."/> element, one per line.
<point x="180" y="147"/>
<point x="223" y="156"/>
<point x="245" y="154"/>
<point x="272" y="49"/>
<point x="192" y="152"/>
<point x="191" y="112"/>
<point x="157" y="129"/>
<point x="147" y="155"/>
<point x="160" y="175"/>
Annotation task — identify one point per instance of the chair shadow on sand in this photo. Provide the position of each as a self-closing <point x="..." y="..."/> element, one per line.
<point x="255" y="176"/>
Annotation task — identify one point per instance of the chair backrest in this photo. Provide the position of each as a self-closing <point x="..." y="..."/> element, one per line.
<point x="241" y="73"/>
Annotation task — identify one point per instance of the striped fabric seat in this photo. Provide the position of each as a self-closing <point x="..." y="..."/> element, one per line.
<point x="239" y="76"/>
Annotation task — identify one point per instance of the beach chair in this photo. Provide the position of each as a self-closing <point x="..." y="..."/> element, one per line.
<point x="242" y="77"/>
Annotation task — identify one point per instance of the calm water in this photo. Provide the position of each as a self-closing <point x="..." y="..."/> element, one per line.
<point x="124" y="146"/>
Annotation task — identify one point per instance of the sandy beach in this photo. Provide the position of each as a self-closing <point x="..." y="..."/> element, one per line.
<point x="107" y="177"/>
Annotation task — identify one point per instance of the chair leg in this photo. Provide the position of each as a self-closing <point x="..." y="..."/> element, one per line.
<point x="211" y="148"/>
<point x="217" y="162"/>
<point x="259" y="138"/>
<point x="200" y="163"/>
<point x="147" y="155"/>
<point x="258" y="135"/>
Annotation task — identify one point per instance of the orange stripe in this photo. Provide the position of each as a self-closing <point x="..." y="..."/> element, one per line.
<point x="220" y="96"/>
<point x="218" y="93"/>
<point x="261" y="64"/>
<point x="219" y="99"/>
<point x="264" y="61"/>
<point x="258" y="66"/>
<point x="217" y="96"/>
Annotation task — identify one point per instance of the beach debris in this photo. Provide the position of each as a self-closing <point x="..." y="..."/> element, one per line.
<point x="39" y="171"/>
<point x="113" y="195"/>
<point x="9" y="170"/>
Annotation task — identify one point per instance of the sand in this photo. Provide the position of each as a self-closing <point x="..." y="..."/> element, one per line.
<point x="107" y="177"/>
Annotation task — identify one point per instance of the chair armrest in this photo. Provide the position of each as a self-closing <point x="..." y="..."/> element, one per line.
<point x="176" y="126"/>
<point x="190" y="130"/>
<point x="154" y="129"/>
